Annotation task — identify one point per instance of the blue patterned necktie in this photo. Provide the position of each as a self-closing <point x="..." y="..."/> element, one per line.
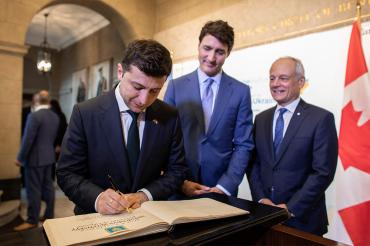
<point x="279" y="130"/>
<point x="133" y="143"/>
<point x="207" y="102"/>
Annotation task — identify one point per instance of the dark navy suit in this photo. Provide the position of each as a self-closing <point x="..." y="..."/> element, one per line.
<point x="94" y="147"/>
<point x="37" y="155"/>
<point x="221" y="155"/>
<point x="303" y="168"/>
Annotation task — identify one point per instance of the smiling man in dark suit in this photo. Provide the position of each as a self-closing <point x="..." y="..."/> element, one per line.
<point x="216" y="116"/>
<point x="296" y="151"/>
<point x="127" y="134"/>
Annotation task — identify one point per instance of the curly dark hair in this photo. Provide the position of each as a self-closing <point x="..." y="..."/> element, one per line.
<point x="149" y="56"/>
<point x="221" y="30"/>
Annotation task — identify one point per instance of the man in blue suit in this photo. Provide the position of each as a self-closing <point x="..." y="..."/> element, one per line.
<point x="127" y="134"/>
<point x="296" y="151"/>
<point x="37" y="156"/>
<point x="216" y="117"/>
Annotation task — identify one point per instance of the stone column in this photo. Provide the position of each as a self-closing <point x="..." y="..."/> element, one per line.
<point x="11" y="77"/>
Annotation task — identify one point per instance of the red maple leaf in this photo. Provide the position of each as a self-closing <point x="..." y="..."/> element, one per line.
<point x="354" y="141"/>
<point x="357" y="223"/>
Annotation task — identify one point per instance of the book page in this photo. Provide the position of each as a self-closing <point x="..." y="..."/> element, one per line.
<point x="176" y="212"/>
<point x="96" y="228"/>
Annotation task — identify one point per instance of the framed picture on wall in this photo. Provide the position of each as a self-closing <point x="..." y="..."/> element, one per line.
<point x="80" y="86"/>
<point x="100" y="78"/>
<point x="115" y="80"/>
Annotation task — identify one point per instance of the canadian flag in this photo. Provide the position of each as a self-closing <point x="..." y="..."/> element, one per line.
<point x="353" y="176"/>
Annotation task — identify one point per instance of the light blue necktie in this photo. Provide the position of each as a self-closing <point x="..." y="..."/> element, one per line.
<point x="279" y="130"/>
<point x="207" y="102"/>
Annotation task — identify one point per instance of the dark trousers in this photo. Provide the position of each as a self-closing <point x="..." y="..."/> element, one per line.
<point x="39" y="186"/>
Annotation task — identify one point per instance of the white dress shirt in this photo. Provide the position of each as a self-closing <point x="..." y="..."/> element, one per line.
<point x="202" y="77"/>
<point x="126" y="120"/>
<point x="42" y="106"/>
<point x="287" y="116"/>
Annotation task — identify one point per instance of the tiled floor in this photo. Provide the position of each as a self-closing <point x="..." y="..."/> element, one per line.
<point x="63" y="206"/>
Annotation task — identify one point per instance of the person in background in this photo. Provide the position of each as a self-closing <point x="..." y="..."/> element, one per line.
<point x="55" y="107"/>
<point x="126" y="139"/>
<point x="296" y="151"/>
<point x="216" y="117"/>
<point x="26" y="110"/>
<point x="29" y="109"/>
<point x="37" y="155"/>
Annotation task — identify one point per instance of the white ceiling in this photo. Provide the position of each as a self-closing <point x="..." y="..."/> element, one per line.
<point x="66" y="24"/>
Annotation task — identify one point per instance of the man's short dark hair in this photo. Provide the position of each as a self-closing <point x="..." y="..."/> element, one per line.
<point x="151" y="57"/>
<point x="221" y="30"/>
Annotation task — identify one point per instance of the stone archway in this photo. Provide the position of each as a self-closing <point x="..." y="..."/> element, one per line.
<point x="133" y="19"/>
<point x="122" y="24"/>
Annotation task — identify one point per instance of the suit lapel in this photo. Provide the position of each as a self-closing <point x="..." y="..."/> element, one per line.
<point x="148" y="142"/>
<point x="192" y="91"/>
<point x="298" y="116"/>
<point x="268" y="132"/>
<point x="111" y="125"/>
<point x="224" y="91"/>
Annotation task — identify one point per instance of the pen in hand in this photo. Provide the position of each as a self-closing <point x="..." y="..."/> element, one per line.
<point x="114" y="187"/>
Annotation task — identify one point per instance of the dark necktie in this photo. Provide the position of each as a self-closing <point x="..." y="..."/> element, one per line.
<point x="207" y="102"/>
<point x="279" y="130"/>
<point x="133" y="143"/>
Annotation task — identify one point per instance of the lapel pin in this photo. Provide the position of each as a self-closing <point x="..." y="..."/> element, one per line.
<point x="155" y="121"/>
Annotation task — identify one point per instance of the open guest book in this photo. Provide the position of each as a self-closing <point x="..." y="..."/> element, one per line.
<point x="151" y="217"/>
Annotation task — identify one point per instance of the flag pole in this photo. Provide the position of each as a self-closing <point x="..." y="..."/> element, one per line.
<point x="358" y="12"/>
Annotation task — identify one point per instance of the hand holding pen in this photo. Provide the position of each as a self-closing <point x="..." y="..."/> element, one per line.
<point x="112" y="201"/>
<point x="115" y="188"/>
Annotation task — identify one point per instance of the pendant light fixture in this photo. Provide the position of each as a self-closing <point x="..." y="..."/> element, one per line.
<point x="44" y="55"/>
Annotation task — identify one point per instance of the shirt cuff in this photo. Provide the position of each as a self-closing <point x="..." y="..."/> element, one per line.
<point x="223" y="189"/>
<point x="96" y="202"/>
<point x="147" y="193"/>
